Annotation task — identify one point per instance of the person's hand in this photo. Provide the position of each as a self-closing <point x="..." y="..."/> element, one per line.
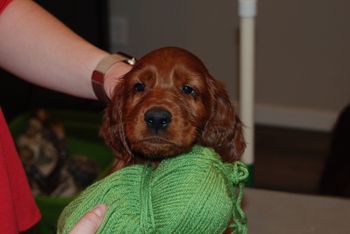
<point x="113" y="76"/>
<point x="90" y="222"/>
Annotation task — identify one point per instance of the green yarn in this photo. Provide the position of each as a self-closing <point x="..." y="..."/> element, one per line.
<point x="194" y="192"/>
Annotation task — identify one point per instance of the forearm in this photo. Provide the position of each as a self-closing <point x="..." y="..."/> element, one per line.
<point x="40" y="49"/>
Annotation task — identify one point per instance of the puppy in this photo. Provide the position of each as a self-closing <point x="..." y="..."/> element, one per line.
<point x="167" y="103"/>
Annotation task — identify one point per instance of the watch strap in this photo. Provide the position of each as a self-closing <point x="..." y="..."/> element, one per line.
<point x="98" y="75"/>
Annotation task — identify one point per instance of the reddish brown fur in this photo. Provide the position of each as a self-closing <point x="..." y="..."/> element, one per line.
<point x="207" y="118"/>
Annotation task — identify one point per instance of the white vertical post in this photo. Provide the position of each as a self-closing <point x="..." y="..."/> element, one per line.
<point x="247" y="13"/>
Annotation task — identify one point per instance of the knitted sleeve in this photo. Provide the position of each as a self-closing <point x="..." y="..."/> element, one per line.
<point x="3" y="4"/>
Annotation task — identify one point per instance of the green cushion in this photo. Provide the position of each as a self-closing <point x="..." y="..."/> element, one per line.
<point x="194" y="192"/>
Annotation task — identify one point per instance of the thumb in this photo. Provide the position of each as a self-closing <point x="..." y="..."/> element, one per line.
<point x="90" y="222"/>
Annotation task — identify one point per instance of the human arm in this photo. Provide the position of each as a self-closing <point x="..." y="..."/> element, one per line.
<point x="40" y="49"/>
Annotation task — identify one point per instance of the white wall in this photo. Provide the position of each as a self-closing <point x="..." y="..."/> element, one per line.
<point x="303" y="50"/>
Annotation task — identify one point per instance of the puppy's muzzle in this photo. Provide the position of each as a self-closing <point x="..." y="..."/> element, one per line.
<point x="157" y="119"/>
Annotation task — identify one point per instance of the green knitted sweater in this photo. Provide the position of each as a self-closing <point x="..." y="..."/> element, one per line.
<point x="194" y="192"/>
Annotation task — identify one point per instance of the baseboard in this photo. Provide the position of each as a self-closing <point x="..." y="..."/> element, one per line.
<point x="273" y="115"/>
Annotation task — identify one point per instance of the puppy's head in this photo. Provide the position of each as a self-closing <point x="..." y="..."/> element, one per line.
<point x="167" y="103"/>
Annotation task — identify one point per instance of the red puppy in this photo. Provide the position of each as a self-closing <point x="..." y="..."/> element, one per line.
<point x="167" y="103"/>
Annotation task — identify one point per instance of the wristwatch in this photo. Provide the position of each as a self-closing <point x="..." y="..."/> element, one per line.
<point x="98" y="75"/>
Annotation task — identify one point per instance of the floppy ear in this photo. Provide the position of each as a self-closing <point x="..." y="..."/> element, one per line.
<point x="112" y="129"/>
<point x="223" y="129"/>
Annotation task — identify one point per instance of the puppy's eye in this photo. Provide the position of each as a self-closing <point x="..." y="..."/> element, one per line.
<point x="139" y="87"/>
<point x="188" y="90"/>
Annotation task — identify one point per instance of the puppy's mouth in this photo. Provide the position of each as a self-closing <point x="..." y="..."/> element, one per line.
<point x="156" y="140"/>
<point x="155" y="147"/>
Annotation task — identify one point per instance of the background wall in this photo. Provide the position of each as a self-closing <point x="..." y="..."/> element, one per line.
<point x="303" y="50"/>
<point x="203" y="27"/>
<point x="303" y="60"/>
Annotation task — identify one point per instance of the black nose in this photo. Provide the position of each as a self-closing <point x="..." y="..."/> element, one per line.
<point x="157" y="119"/>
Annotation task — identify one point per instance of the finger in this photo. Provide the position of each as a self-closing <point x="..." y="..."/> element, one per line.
<point x="90" y="222"/>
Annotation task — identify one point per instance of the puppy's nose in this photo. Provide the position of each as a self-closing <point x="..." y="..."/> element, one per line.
<point x="157" y="119"/>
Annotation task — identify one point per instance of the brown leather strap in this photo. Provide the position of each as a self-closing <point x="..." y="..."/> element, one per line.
<point x="102" y="67"/>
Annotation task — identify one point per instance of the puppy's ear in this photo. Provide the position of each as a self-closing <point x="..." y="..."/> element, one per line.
<point x="223" y="129"/>
<point x="112" y="129"/>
